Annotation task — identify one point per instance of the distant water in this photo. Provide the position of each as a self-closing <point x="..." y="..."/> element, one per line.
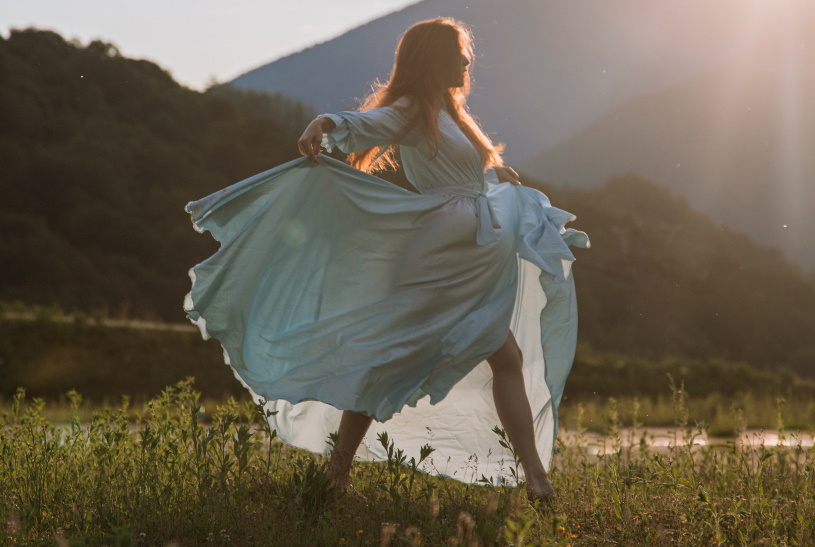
<point x="663" y="438"/>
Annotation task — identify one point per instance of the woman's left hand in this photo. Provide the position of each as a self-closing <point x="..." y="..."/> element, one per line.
<point x="506" y="173"/>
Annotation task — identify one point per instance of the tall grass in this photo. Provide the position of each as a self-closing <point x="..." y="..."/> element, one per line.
<point x="165" y="476"/>
<point x="715" y="411"/>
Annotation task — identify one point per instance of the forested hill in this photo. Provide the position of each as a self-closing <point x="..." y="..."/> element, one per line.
<point x="663" y="279"/>
<point x="100" y="154"/>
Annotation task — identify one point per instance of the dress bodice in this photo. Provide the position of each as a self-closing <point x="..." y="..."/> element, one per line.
<point x="456" y="164"/>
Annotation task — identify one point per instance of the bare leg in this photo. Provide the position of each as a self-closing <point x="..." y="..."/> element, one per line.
<point x="515" y="414"/>
<point x="353" y="426"/>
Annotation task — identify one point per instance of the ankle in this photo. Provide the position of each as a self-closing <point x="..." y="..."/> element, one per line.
<point x="338" y="468"/>
<point x="535" y="473"/>
<point x="337" y="471"/>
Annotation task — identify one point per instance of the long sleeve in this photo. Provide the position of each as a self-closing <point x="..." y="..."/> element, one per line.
<point x="491" y="178"/>
<point x="356" y="131"/>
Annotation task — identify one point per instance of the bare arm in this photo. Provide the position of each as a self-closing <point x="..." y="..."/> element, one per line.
<point x="309" y="142"/>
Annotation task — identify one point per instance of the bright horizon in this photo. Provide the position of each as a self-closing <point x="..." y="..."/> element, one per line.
<point x="202" y="41"/>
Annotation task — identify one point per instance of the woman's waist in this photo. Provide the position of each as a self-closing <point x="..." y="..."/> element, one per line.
<point x="486" y="219"/>
<point x="466" y="191"/>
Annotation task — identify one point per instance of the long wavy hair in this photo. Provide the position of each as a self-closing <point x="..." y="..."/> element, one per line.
<point x="428" y="59"/>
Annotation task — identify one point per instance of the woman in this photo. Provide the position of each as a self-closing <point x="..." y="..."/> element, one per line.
<point x="340" y="299"/>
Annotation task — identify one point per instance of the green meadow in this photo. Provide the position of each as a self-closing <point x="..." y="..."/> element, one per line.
<point x="98" y="452"/>
<point x="169" y="473"/>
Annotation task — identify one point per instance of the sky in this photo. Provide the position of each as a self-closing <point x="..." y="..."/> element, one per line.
<point x="199" y="41"/>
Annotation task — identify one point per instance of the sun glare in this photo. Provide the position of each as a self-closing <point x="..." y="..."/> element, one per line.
<point x="767" y="81"/>
<point x="792" y="130"/>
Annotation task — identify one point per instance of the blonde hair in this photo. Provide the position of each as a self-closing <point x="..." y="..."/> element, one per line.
<point x="428" y="56"/>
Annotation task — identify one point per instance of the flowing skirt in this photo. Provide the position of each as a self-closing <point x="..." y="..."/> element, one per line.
<point x="336" y="290"/>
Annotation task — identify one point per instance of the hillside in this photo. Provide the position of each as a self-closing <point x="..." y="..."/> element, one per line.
<point x="544" y="69"/>
<point x="103" y="152"/>
<point x="100" y="155"/>
<point x="662" y="279"/>
<point x="736" y="141"/>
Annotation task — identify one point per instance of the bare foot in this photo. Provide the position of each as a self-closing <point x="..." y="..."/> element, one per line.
<point x="338" y="478"/>
<point x="342" y="486"/>
<point x="540" y="489"/>
<point x="338" y="473"/>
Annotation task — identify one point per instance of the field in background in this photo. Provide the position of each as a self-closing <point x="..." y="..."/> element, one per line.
<point x="50" y="354"/>
<point x="175" y="480"/>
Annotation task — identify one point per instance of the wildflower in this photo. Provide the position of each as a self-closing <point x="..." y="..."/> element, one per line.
<point x="434" y="505"/>
<point x="360" y="532"/>
<point x="413" y="535"/>
<point x="465" y="526"/>
<point x="13" y="522"/>
<point x="388" y="531"/>
<point x="492" y="503"/>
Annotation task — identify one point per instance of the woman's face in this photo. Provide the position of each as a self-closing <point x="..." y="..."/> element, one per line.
<point x="461" y="71"/>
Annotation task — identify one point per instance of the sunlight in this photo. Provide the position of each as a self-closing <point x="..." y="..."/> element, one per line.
<point x="734" y="103"/>
<point x="791" y="128"/>
<point x="765" y="82"/>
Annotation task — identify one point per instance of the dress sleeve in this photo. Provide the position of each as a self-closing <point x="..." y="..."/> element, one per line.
<point x="362" y="130"/>
<point x="491" y="178"/>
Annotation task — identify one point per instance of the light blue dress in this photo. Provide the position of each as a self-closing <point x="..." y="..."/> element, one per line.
<point x="334" y="289"/>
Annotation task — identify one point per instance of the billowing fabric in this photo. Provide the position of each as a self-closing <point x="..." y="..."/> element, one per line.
<point x="336" y="290"/>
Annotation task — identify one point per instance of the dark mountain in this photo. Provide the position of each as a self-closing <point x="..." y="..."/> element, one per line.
<point x="663" y="279"/>
<point x="737" y="141"/>
<point x="545" y="68"/>
<point x="101" y="153"/>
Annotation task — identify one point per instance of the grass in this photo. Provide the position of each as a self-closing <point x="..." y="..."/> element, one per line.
<point x="161" y="475"/>
<point x="715" y="411"/>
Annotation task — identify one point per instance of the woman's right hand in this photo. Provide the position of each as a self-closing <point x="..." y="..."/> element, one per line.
<point x="505" y="173"/>
<point x="309" y="142"/>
